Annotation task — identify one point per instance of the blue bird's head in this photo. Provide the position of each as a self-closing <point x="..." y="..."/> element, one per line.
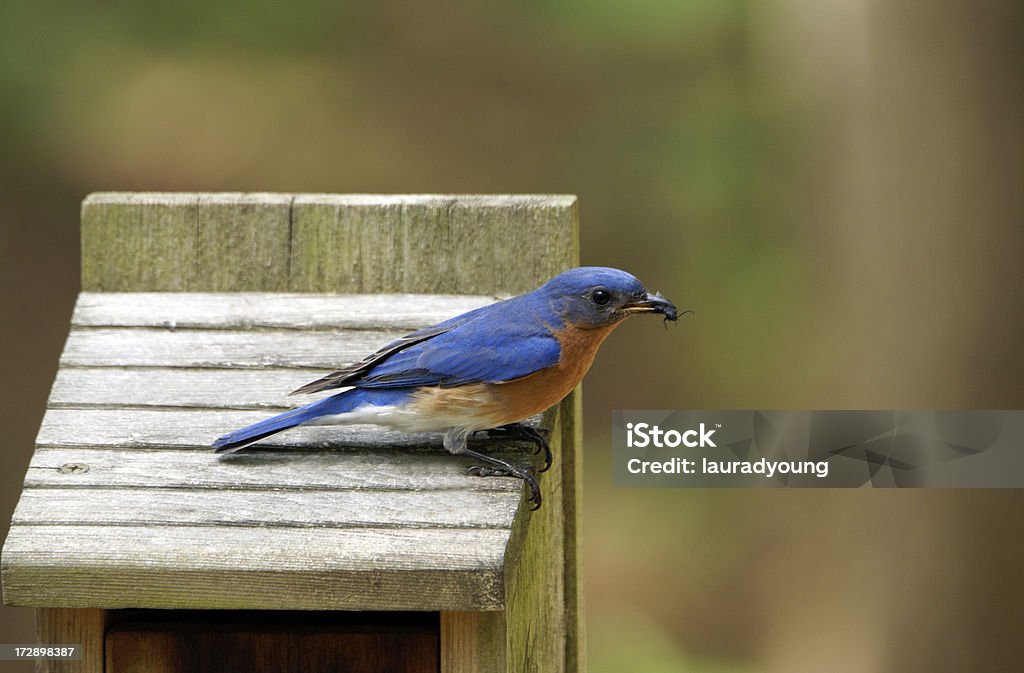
<point x="595" y="296"/>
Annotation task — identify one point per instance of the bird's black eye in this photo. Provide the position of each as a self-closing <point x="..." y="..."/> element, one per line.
<point x="600" y="296"/>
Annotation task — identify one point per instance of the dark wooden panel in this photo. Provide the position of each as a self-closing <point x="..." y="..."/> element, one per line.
<point x="227" y="642"/>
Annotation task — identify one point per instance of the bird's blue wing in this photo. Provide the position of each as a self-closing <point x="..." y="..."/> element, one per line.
<point x="498" y="342"/>
<point x="479" y="351"/>
<point x="355" y="371"/>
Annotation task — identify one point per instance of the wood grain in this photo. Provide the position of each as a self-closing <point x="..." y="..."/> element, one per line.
<point x="306" y="508"/>
<point x="542" y="580"/>
<point x="474" y="642"/>
<point x="73" y="626"/>
<point x="185" y="242"/>
<point x="255" y="567"/>
<point x="185" y="388"/>
<point x="261" y="470"/>
<point x="435" y="244"/>
<point x="279" y="310"/>
<point x="458" y="244"/>
<point x="106" y="347"/>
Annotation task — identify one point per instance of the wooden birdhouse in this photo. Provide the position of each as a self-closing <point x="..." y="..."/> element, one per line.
<point x="343" y="549"/>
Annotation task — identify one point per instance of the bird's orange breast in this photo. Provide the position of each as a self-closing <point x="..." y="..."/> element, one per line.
<point x="532" y="394"/>
<point x="480" y="406"/>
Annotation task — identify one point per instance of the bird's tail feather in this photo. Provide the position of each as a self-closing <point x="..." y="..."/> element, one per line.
<point x="336" y="404"/>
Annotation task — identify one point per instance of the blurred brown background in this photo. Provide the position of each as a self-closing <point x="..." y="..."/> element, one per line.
<point x="835" y="187"/>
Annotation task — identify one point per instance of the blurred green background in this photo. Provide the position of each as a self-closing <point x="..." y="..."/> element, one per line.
<point x="835" y="187"/>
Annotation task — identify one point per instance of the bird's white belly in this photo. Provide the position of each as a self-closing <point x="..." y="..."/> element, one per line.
<point x="409" y="418"/>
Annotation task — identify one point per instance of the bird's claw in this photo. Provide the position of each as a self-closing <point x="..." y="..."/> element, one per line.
<point x="492" y="471"/>
<point x="524" y="472"/>
<point x="527" y="433"/>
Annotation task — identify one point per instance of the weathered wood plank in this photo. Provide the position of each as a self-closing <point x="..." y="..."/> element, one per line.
<point x="255" y="568"/>
<point x="242" y="242"/>
<point x="249" y="310"/>
<point x="204" y="348"/>
<point x="378" y="470"/>
<point x="326" y="242"/>
<point x="151" y="240"/>
<point x="542" y="579"/>
<point x="569" y="415"/>
<point x="294" y="508"/>
<point x="182" y="242"/>
<point x="473" y="642"/>
<point x="439" y="244"/>
<point x="193" y="388"/>
<point x="71" y="626"/>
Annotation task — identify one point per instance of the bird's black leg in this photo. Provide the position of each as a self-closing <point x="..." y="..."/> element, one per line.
<point x="455" y="441"/>
<point x="526" y="433"/>
<point x="495" y="467"/>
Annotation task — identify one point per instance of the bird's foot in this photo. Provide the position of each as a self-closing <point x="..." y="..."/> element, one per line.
<point x="526" y="433"/>
<point x="495" y="467"/>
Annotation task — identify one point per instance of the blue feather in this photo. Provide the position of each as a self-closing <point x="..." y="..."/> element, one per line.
<point x="511" y="340"/>
<point x="335" y="404"/>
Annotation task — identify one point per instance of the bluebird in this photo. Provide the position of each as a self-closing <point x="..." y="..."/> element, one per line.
<point x="483" y="371"/>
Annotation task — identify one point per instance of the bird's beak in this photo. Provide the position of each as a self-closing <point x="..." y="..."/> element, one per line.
<point x="653" y="303"/>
